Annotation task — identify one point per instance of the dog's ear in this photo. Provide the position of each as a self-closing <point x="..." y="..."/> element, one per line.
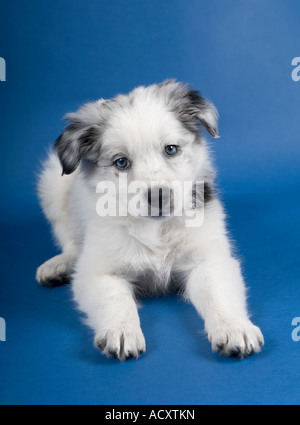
<point x="190" y="107"/>
<point x="204" y="111"/>
<point x="82" y="137"/>
<point x="76" y="141"/>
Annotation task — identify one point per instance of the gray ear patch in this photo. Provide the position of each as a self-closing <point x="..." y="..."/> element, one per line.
<point x="195" y="108"/>
<point x="205" y="112"/>
<point x="75" y="142"/>
<point x="190" y="107"/>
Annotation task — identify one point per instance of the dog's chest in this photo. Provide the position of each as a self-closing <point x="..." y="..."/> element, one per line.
<point x="154" y="250"/>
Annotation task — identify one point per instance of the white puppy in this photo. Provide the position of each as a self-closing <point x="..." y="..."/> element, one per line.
<point x="154" y="134"/>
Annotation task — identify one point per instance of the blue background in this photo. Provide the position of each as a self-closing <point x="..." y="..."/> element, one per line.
<point x="238" y="53"/>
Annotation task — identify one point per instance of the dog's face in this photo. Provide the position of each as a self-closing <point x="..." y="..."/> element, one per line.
<point x="152" y="136"/>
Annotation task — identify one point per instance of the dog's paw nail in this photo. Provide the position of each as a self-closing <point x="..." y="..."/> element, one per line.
<point x="235" y="352"/>
<point x="101" y="344"/>
<point x="113" y="354"/>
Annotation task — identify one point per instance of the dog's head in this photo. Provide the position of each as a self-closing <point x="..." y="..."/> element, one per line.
<point x="153" y="135"/>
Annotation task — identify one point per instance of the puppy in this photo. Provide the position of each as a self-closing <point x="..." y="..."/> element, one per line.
<point x="153" y="135"/>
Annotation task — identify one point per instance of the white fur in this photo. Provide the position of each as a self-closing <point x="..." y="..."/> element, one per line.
<point x="111" y="257"/>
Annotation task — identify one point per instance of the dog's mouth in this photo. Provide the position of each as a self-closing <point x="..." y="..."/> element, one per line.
<point x="160" y="215"/>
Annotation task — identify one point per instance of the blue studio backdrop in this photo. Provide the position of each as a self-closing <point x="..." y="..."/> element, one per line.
<point x="60" y="54"/>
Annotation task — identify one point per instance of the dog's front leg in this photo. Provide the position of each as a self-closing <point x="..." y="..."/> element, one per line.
<point x="216" y="288"/>
<point x="111" y="310"/>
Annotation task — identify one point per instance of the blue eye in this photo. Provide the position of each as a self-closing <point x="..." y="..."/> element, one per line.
<point x="171" y="150"/>
<point x="122" y="163"/>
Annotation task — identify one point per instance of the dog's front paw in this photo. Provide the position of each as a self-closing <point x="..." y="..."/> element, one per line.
<point x="238" y="339"/>
<point x="122" y="343"/>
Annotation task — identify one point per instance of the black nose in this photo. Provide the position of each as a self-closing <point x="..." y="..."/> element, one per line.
<point x="155" y="198"/>
<point x="159" y="201"/>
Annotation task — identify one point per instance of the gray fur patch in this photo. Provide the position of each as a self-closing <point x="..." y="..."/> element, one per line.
<point x="189" y="106"/>
<point x="77" y="140"/>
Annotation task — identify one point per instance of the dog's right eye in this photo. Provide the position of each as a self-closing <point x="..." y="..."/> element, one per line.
<point x="171" y="150"/>
<point x="122" y="163"/>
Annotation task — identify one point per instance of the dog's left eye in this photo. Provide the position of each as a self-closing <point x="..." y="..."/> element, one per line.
<point x="122" y="163"/>
<point x="171" y="150"/>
